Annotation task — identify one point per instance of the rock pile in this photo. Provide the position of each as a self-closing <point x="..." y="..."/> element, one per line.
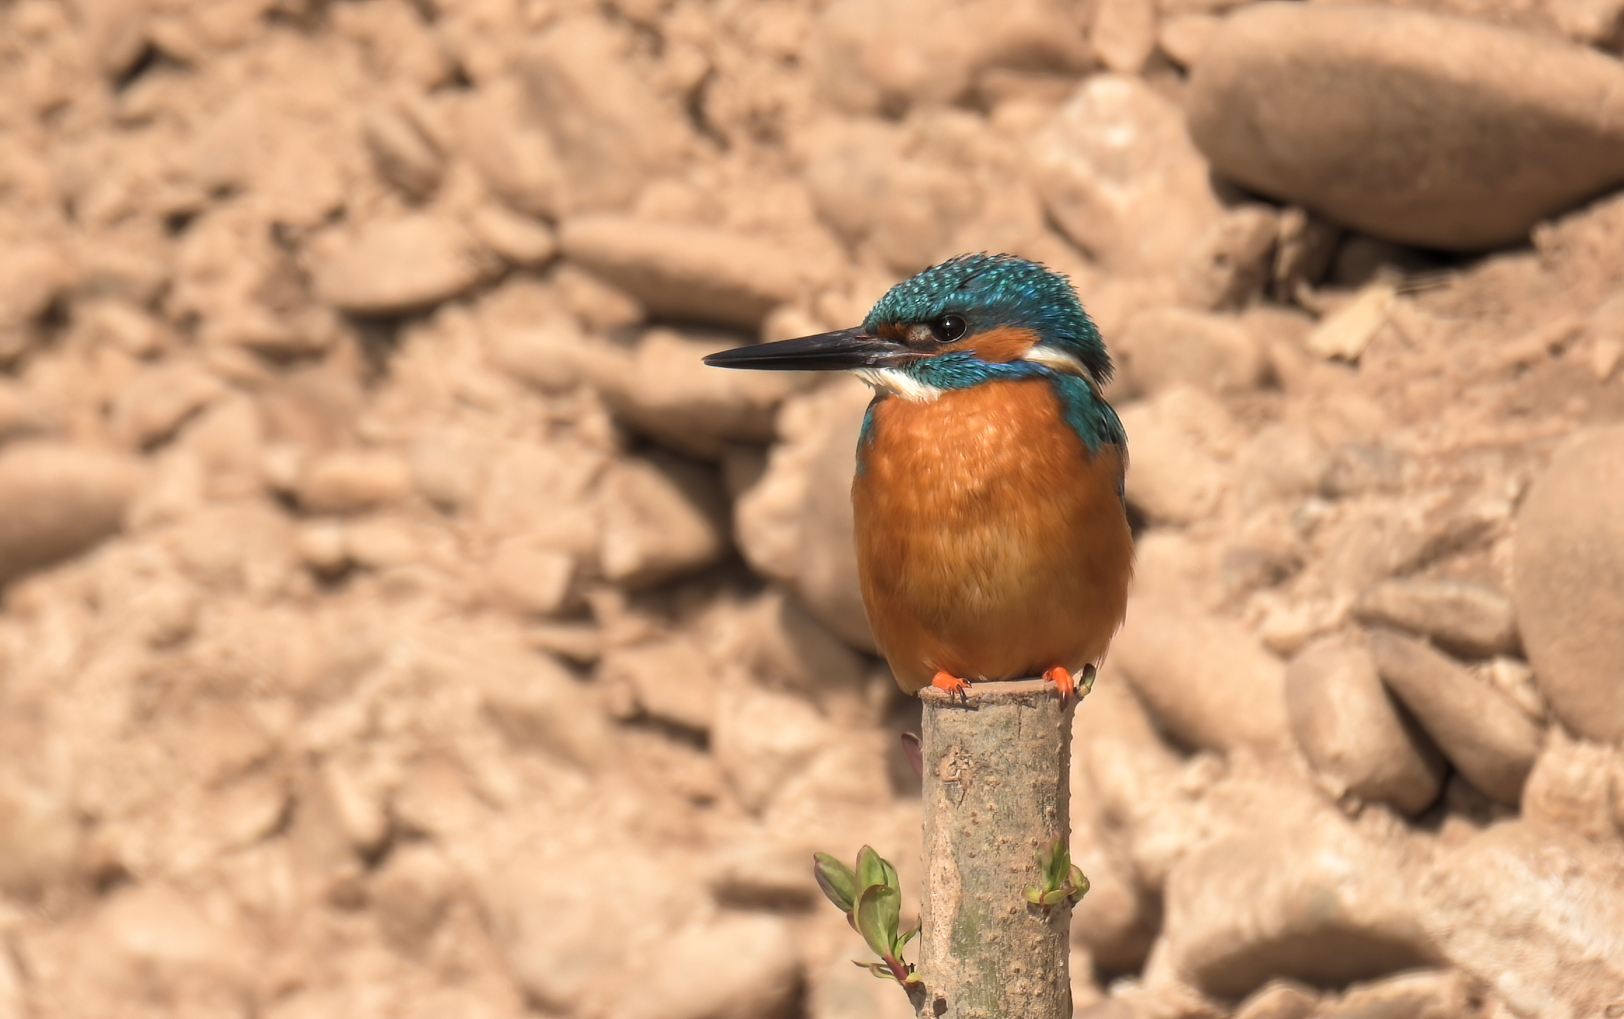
<point x="1403" y="123"/>
<point x="397" y="619"/>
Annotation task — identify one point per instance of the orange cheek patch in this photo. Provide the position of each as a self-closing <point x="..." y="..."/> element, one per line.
<point x="1000" y="345"/>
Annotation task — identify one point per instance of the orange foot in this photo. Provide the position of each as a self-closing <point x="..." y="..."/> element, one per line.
<point x="951" y="684"/>
<point x="1060" y="676"/>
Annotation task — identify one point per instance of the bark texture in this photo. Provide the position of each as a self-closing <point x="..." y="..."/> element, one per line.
<point x="996" y="789"/>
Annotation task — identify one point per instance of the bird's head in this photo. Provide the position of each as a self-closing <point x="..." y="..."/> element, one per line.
<point x="970" y="319"/>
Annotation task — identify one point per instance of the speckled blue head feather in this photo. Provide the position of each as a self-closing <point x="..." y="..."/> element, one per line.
<point x="989" y="291"/>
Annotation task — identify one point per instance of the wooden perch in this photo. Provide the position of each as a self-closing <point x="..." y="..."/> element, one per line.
<point x="996" y="791"/>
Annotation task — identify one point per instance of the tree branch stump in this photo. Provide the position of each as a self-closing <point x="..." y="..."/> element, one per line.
<point x="996" y="788"/>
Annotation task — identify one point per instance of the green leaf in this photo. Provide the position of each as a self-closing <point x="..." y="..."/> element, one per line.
<point x="1034" y="896"/>
<point x="1056" y="864"/>
<point x="1085" y="682"/>
<point x="870" y="869"/>
<point x="890" y="875"/>
<point x="837" y="881"/>
<point x="879" y="912"/>
<point x="1079" y="884"/>
<point x="907" y="936"/>
<point x="1053" y="897"/>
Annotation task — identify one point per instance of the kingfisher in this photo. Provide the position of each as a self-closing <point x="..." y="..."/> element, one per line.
<point x="992" y="534"/>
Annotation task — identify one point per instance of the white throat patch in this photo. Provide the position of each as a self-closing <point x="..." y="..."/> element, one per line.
<point x="1059" y="360"/>
<point x="890" y="380"/>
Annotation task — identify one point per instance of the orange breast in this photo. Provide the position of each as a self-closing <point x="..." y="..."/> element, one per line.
<point x="990" y="543"/>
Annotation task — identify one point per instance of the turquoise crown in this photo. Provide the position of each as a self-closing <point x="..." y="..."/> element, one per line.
<point x="989" y="291"/>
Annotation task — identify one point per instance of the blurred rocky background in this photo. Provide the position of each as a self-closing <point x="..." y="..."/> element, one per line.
<point x="399" y="621"/>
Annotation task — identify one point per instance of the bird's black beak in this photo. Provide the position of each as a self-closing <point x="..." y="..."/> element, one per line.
<point x="837" y="351"/>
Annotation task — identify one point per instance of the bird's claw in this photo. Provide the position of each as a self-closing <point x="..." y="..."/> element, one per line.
<point x="952" y="685"/>
<point x="1060" y="676"/>
<point x="1068" y="685"/>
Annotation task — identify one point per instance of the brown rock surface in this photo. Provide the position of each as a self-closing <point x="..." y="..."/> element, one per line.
<point x="1478" y="728"/>
<point x="1352" y="731"/>
<point x="1279" y="999"/>
<point x="685" y="272"/>
<point x="412" y="893"/>
<point x="1123" y="33"/>
<point x="564" y="948"/>
<point x="761" y="979"/>
<point x="882" y="57"/>
<point x="763" y="738"/>
<point x="1402" y="124"/>
<point x="659" y="522"/>
<point x="1421" y="994"/>
<point x="669" y="679"/>
<point x="1232" y="260"/>
<point x="1570" y="583"/>
<point x="1534" y="912"/>
<point x="39" y="841"/>
<point x="894" y="191"/>
<point x="665" y="391"/>
<point x="151" y="406"/>
<point x="1322" y="903"/>
<point x="1578" y="785"/>
<point x="1183" y="442"/>
<point x="39" y="272"/>
<point x="1120" y="176"/>
<point x="400" y="265"/>
<point x="786" y="648"/>
<point x="1115" y="752"/>
<point x="518" y="238"/>
<point x="1131" y="775"/>
<point x="19" y="414"/>
<point x="512" y="153"/>
<point x="530" y="576"/>
<point x="57" y="500"/>
<point x="610" y="129"/>
<point x="148" y="940"/>
<point x="1468" y="619"/>
<point x="405" y="157"/>
<point x="795" y="523"/>
<point x="350" y="481"/>
<point x="532" y="700"/>
<point x="1162" y="347"/>
<point x="1183" y="37"/>
<point x="1207" y="681"/>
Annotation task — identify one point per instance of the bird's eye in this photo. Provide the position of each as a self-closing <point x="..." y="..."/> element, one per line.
<point x="948" y="328"/>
